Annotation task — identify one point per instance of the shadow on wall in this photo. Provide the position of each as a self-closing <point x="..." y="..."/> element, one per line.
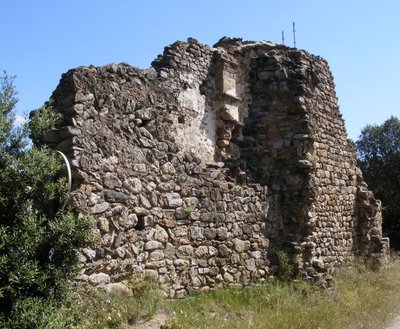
<point x="261" y="135"/>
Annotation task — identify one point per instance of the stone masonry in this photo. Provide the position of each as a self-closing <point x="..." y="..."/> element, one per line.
<point x="203" y="167"/>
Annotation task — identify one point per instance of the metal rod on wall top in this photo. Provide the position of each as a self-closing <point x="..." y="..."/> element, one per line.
<point x="294" y="35"/>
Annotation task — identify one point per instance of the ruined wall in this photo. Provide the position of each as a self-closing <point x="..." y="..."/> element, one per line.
<point x="200" y="169"/>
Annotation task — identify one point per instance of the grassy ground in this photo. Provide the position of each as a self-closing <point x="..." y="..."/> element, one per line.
<point x="361" y="298"/>
<point x="93" y="309"/>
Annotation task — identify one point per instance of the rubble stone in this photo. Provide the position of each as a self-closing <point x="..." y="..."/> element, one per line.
<point x="202" y="168"/>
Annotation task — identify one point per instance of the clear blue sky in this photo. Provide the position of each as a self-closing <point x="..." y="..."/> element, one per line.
<point x="42" y="39"/>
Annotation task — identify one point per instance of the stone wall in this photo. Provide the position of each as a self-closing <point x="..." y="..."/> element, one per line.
<point x="201" y="168"/>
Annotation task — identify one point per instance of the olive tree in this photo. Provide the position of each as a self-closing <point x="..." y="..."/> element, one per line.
<point x="37" y="246"/>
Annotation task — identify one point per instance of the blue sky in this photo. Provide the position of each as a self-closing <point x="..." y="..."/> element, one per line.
<point x="42" y="39"/>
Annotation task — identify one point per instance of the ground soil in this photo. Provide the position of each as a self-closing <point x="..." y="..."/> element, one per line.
<point x="156" y="322"/>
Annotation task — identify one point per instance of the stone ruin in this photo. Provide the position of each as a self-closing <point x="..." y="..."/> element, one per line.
<point x="202" y="168"/>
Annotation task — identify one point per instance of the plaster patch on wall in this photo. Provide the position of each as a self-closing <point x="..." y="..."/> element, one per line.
<point x="198" y="134"/>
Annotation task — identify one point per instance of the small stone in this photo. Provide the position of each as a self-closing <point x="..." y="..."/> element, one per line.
<point x="119" y="239"/>
<point x="229" y="113"/>
<point x="115" y="196"/>
<point x="180" y="213"/>
<point x="223" y="251"/>
<point x="81" y="258"/>
<point x="196" y="233"/>
<point x="169" y="251"/>
<point x="163" y="74"/>
<point x="202" y="263"/>
<point x="250" y="264"/>
<point x="150" y="186"/>
<point x="201" y="251"/>
<point x="145" y="114"/>
<point x="214" y="271"/>
<point x="222" y="143"/>
<point x="83" y="277"/>
<point x="132" y="221"/>
<point x="118" y="288"/>
<point x="168" y="223"/>
<point x="256" y="254"/>
<point x="120" y="252"/>
<point x="318" y="264"/>
<point x="156" y="255"/>
<point x="304" y="164"/>
<point x="210" y="233"/>
<point x="111" y="181"/>
<point x="186" y="250"/>
<point x="181" y="262"/>
<point x="130" y="106"/>
<point x="140" y="167"/>
<point x="196" y="281"/>
<point x="100" y="208"/>
<point x="168" y="168"/>
<point x="240" y="245"/>
<point x="180" y="293"/>
<point x="89" y="253"/>
<point x="222" y="233"/>
<point x="140" y="211"/>
<point x="166" y="187"/>
<point x="151" y="245"/>
<point x="103" y="224"/>
<point x="191" y="201"/>
<point x="114" y="211"/>
<point x="145" y="202"/>
<point x="173" y="200"/>
<point x="99" y="278"/>
<point x="236" y="230"/>
<point x="155" y="265"/>
<point x="93" y="199"/>
<point x="160" y="234"/>
<point x="228" y="277"/>
<point x="212" y="251"/>
<point x="81" y="97"/>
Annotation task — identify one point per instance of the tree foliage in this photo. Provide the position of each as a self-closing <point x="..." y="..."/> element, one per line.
<point x="379" y="152"/>
<point x="38" y="240"/>
<point x="12" y="139"/>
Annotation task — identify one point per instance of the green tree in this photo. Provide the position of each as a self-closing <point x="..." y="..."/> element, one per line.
<point x="379" y="152"/>
<point x="12" y="139"/>
<point x="37" y="241"/>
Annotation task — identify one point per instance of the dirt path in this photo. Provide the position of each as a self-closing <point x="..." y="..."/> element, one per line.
<point x="395" y="324"/>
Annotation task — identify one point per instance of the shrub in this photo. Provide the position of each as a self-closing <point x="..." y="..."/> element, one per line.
<point x="38" y="239"/>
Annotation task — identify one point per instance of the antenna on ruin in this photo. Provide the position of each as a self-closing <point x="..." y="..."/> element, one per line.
<point x="294" y="35"/>
<point x="283" y="37"/>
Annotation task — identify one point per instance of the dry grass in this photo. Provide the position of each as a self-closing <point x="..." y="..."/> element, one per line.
<point x="93" y="309"/>
<point x="361" y="298"/>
